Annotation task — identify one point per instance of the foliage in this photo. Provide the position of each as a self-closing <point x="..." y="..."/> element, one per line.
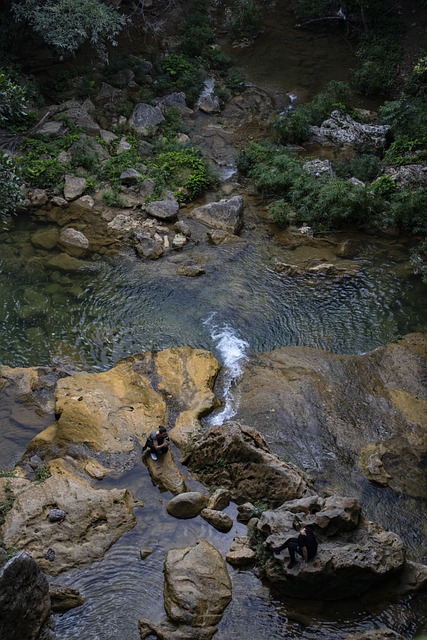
<point x="10" y="191"/>
<point x="197" y="31"/>
<point x="183" y="170"/>
<point x="7" y="504"/>
<point x="113" y="198"/>
<point x="380" y="56"/>
<point x="114" y="166"/>
<point x="292" y="127"/>
<point x="365" y="167"/>
<point x="177" y="73"/>
<point x="246" y="19"/>
<point x="327" y="203"/>
<point x="419" y="260"/>
<point x="312" y="9"/>
<point x="67" y="24"/>
<point x="13" y="103"/>
<point x="42" y="473"/>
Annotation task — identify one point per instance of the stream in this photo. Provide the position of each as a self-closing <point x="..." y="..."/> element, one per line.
<point x="240" y="306"/>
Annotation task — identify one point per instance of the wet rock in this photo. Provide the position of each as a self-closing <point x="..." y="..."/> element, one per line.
<point x="64" y="598"/>
<point x="145" y="118"/>
<point x="145" y="553"/>
<point x="341" y="129"/>
<point x="190" y="270"/>
<point x="163" y="209"/>
<point x="74" y="187"/>
<point x="67" y="264"/>
<point x="245" y="511"/>
<point x="350" y="248"/>
<point x="197" y="591"/>
<point x="227" y="214"/>
<point x="218" y="237"/>
<point x="24" y="599"/>
<point x="95" y="520"/>
<point x="220" y="499"/>
<point x="385" y="401"/>
<point x="237" y="457"/>
<point x="241" y="553"/>
<point x="166" y="475"/>
<point x="74" y="242"/>
<point x="148" y="248"/>
<point x="219" y="520"/>
<point x="45" y="239"/>
<point x="187" y="505"/>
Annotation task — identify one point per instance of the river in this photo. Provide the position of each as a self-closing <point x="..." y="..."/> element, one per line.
<point x="241" y="305"/>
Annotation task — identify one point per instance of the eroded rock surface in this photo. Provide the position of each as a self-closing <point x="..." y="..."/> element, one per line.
<point x="237" y="457"/>
<point x="197" y="590"/>
<point x="325" y="409"/>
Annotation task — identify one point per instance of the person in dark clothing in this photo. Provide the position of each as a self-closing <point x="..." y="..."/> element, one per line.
<point x="157" y="443"/>
<point x="305" y="545"/>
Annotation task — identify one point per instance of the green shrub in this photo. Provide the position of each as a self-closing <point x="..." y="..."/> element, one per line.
<point x="380" y="56"/>
<point x="10" y="183"/>
<point x="245" y="20"/>
<point x="42" y="172"/>
<point x="13" y="103"/>
<point x="365" y="167"/>
<point x="7" y="504"/>
<point x="183" y="170"/>
<point x="177" y="73"/>
<point x="42" y="473"/>
<point x="66" y="24"/>
<point x="197" y="31"/>
<point x="113" y="198"/>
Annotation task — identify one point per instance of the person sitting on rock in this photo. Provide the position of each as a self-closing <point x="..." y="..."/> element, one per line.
<point x="305" y="545"/>
<point x="157" y="443"/>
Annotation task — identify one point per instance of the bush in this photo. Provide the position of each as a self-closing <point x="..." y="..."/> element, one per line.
<point x="13" y="103"/>
<point x="67" y="24"/>
<point x="197" y="32"/>
<point x="246" y="19"/>
<point x="177" y="73"/>
<point x="183" y="170"/>
<point x="380" y="56"/>
<point x="10" y="192"/>
<point x="365" y="167"/>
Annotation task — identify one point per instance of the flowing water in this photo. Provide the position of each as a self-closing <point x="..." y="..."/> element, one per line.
<point x="120" y="306"/>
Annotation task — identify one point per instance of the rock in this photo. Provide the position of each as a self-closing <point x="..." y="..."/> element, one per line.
<point x="163" y="209"/>
<point x="218" y="237"/>
<point x="64" y="158"/>
<point x="237" y="457"/>
<point x="219" y="520"/>
<point x="24" y="599"/>
<point x="341" y="129"/>
<point x="180" y="241"/>
<point x="182" y="228"/>
<point x="225" y="214"/>
<point x="347" y="563"/>
<point x="145" y="118"/>
<point x="197" y="590"/>
<point x="51" y="128"/>
<point x="166" y="475"/>
<point x="86" y="203"/>
<point x="187" y="505"/>
<point x="74" y="187"/>
<point x="108" y="93"/>
<point x="371" y="464"/>
<point x="38" y="197"/>
<point x="81" y="118"/>
<point x="108" y="136"/>
<point x="319" y="168"/>
<point x="349" y="248"/>
<point x="175" y="100"/>
<point x="66" y="264"/>
<point x="148" y="248"/>
<point x="130" y="177"/>
<point x="147" y="187"/>
<point x="144" y="553"/>
<point x="96" y="470"/>
<point x="190" y="270"/>
<point x="411" y="175"/>
<point x="123" y="146"/>
<point x="64" y="598"/>
<point x="209" y="104"/>
<point x="311" y="415"/>
<point x="245" y="511"/>
<point x="241" y="554"/>
<point x="219" y="499"/>
<point x="73" y="242"/>
<point x="56" y="515"/>
<point x="95" y="520"/>
<point x="57" y="201"/>
<point x="45" y="239"/>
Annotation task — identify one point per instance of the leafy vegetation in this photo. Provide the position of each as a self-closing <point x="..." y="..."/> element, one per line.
<point x="66" y="24"/>
<point x="7" y="504"/>
<point x="13" y="103"/>
<point x="10" y="185"/>
<point x="42" y="473"/>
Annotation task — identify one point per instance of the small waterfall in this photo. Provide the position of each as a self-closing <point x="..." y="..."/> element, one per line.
<point x="292" y="99"/>
<point x="233" y="352"/>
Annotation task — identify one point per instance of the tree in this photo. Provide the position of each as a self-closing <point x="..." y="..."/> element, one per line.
<point x="10" y="192"/>
<point x="67" y="24"/>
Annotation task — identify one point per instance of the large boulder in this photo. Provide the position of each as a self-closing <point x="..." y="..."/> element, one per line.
<point x="319" y="422"/>
<point x="197" y="591"/>
<point x="347" y="563"/>
<point x="25" y="604"/>
<point x="237" y="457"/>
<point x="163" y="209"/>
<point x="74" y="242"/>
<point x="94" y="520"/>
<point x="145" y="118"/>
<point x="341" y="129"/>
<point x="227" y="214"/>
<point x="187" y="505"/>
